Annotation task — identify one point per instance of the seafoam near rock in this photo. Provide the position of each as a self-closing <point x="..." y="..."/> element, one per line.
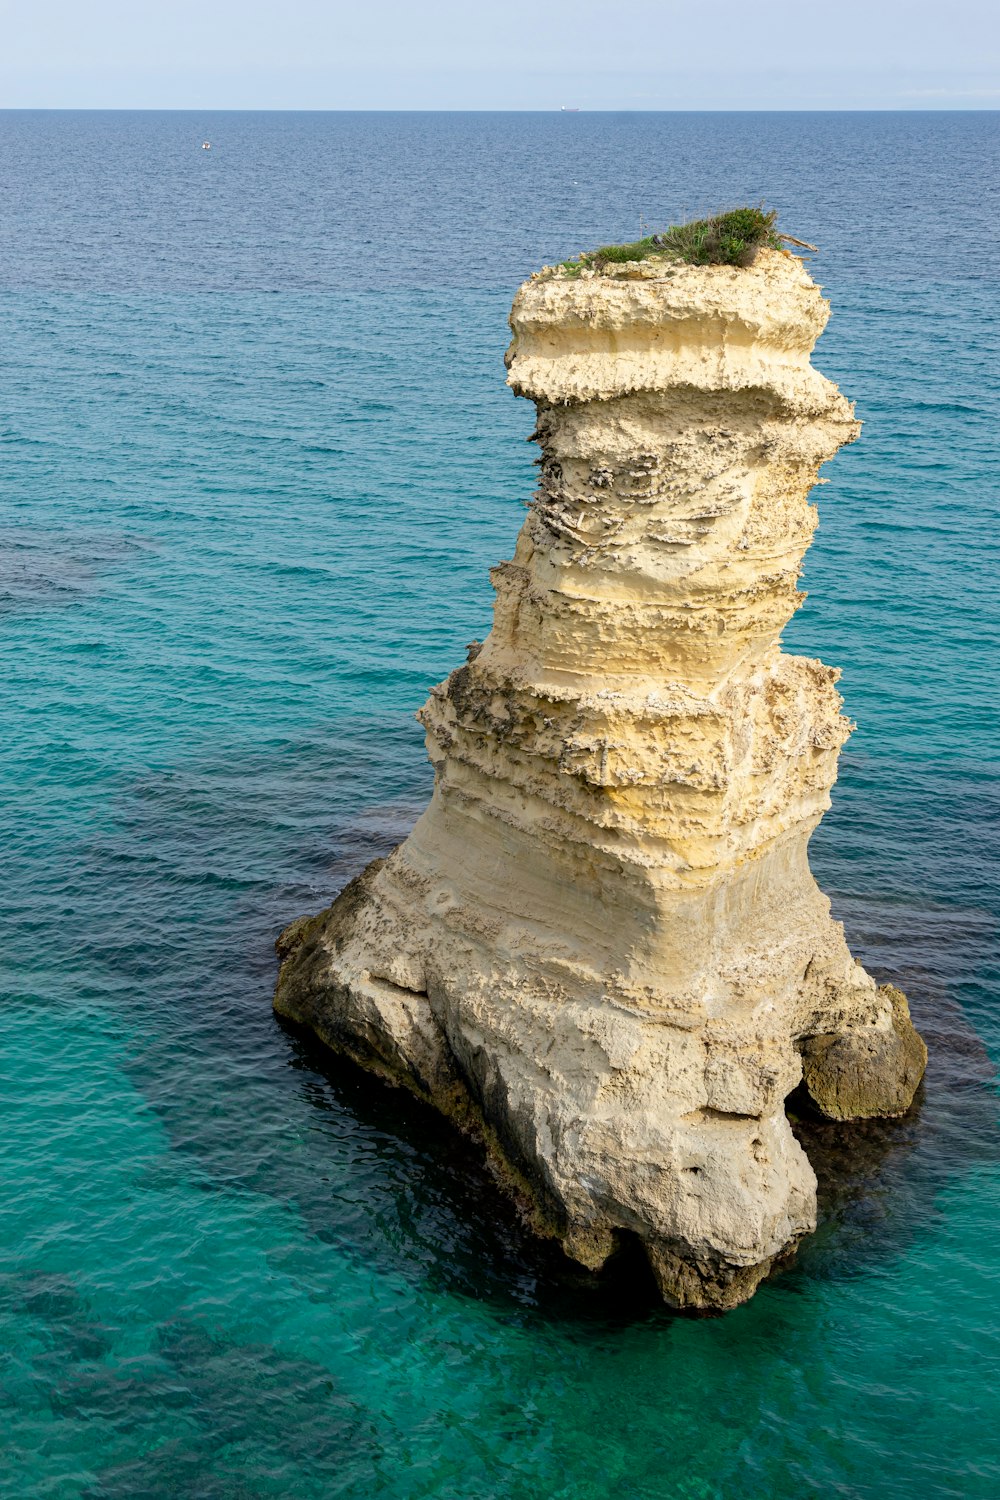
<point x="601" y="947"/>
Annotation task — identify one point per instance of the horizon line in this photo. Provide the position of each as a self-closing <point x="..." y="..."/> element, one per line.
<point x="446" y="109"/>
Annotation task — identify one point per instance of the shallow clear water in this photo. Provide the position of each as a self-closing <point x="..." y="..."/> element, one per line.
<point x="257" y="456"/>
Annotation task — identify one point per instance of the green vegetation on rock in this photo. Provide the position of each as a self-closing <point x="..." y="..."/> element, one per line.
<point x="729" y="239"/>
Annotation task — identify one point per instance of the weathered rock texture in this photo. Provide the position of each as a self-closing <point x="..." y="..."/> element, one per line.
<point x="601" y="946"/>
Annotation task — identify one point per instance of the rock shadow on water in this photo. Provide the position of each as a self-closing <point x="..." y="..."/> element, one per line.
<point x="420" y="1200"/>
<point x="453" y="1227"/>
<point x="879" y="1180"/>
<point x="412" y="1197"/>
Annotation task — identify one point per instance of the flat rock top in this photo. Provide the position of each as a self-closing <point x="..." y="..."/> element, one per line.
<point x="776" y="292"/>
<point x="649" y="325"/>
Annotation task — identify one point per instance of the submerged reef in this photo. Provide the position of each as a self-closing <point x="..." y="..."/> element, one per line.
<point x="601" y="948"/>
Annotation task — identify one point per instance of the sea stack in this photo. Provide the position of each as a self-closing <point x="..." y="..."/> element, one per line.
<point x="601" y="948"/>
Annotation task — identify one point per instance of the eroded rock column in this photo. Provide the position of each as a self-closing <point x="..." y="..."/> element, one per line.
<point x="601" y="947"/>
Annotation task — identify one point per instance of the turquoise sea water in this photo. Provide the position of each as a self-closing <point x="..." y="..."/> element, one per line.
<point x="256" y="456"/>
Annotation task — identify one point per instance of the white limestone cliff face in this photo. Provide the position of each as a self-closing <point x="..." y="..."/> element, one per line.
<point x="601" y="947"/>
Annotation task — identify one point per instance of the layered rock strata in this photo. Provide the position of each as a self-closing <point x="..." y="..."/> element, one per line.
<point x="601" y="947"/>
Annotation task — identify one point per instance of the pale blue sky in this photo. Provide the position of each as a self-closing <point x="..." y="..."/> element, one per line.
<point x="509" y="54"/>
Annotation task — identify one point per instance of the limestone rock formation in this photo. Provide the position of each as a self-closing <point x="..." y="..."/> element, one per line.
<point x="601" y="947"/>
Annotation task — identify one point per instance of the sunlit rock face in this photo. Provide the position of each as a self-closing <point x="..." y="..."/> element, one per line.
<point x="601" y="948"/>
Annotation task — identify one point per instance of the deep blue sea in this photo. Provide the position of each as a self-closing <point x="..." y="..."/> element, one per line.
<point x="256" y="457"/>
